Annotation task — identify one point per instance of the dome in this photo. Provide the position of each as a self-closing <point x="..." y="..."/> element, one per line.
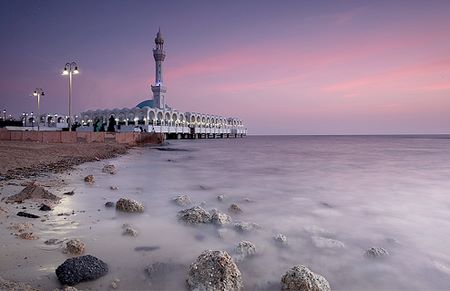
<point x="159" y="39"/>
<point x="144" y="103"/>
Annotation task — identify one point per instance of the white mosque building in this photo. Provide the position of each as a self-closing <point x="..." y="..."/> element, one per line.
<point x="156" y="116"/>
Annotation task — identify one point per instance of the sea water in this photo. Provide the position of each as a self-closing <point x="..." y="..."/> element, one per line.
<point x="333" y="197"/>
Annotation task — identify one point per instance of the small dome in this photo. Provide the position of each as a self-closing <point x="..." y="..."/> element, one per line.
<point x="159" y="39"/>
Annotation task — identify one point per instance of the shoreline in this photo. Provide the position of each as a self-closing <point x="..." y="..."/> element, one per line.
<point x="22" y="160"/>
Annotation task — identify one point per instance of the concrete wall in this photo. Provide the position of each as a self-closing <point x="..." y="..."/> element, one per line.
<point x="131" y="138"/>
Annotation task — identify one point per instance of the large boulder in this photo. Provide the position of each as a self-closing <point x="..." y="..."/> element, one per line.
<point x="220" y="218"/>
<point x="109" y="169"/>
<point x="80" y="269"/>
<point x="214" y="270"/>
<point x="182" y="200"/>
<point x="129" y="205"/>
<point x="300" y="278"/>
<point x="194" y="215"/>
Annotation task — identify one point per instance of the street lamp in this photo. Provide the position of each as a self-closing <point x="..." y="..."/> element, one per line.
<point x="38" y="93"/>
<point x="4" y="114"/>
<point x="70" y="69"/>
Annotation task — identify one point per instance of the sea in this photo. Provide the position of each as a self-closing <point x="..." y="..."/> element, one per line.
<point x="333" y="197"/>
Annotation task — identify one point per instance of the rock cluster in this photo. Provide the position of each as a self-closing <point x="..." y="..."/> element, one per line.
<point x="80" y="269"/>
<point x="376" y="252"/>
<point x="300" y="278"/>
<point x="75" y="247"/>
<point x="182" y="200"/>
<point x="109" y="169"/>
<point x="129" y="205"/>
<point x="89" y="179"/>
<point x="220" y="218"/>
<point x="214" y="270"/>
<point x="194" y="215"/>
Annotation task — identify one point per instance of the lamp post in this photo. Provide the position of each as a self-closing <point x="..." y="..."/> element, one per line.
<point x="38" y="93"/>
<point x="70" y="69"/>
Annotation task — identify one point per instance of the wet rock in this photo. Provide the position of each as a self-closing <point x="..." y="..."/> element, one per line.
<point x="280" y="239"/>
<point x="80" y="269"/>
<point x="27" y="236"/>
<point x="89" y="179"/>
<point x="130" y="231"/>
<point x="53" y="241"/>
<point x="32" y="191"/>
<point x="194" y="215"/>
<point x="109" y="204"/>
<point x="114" y="188"/>
<point x="182" y="200"/>
<point x="146" y="249"/>
<point x="109" y="169"/>
<point x="28" y="215"/>
<point x="242" y="226"/>
<point x="214" y="270"/>
<point x="326" y="243"/>
<point x="234" y="208"/>
<point x="70" y="193"/>
<point x="376" y="252"/>
<point x="75" y="247"/>
<point x="219" y="218"/>
<point x="244" y="249"/>
<point x="45" y="207"/>
<point x="300" y="278"/>
<point x="220" y="197"/>
<point x="129" y="205"/>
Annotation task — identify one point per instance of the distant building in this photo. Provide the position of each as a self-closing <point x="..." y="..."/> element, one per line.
<point x="156" y="116"/>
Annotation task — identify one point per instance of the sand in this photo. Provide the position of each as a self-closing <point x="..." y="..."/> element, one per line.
<point x="28" y="159"/>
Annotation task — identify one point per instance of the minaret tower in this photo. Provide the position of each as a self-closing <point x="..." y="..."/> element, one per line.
<point x="158" y="89"/>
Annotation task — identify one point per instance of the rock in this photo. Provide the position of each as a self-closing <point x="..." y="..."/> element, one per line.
<point x="129" y="205"/>
<point x="376" y="252"/>
<point x="53" y="241"/>
<point x="219" y="218"/>
<point x="109" y="169"/>
<point x="130" y="231"/>
<point x="214" y="270"/>
<point x="28" y="215"/>
<point x="220" y="197"/>
<point x="21" y="227"/>
<point x="70" y="193"/>
<point x="45" y="207"/>
<point x="27" y="236"/>
<point x="280" y="239"/>
<point x="300" y="278"/>
<point x="182" y="200"/>
<point x="68" y="288"/>
<point x="194" y="215"/>
<point x="242" y="226"/>
<point x="89" y="179"/>
<point x="80" y="269"/>
<point x="75" y="247"/>
<point x="234" y="208"/>
<point x="326" y="243"/>
<point x="114" y="283"/>
<point x="109" y="204"/>
<point x="33" y="191"/>
<point x="114" y="188"/>
<point x="244" y="249"/>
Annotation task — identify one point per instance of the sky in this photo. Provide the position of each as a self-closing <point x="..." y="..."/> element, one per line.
<point x="284" y="67"/>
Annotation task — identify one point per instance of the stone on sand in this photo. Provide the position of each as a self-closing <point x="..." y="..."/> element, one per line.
<point x="300" y="278"/>
<point x="89" y="179"/>
<point x="214" y="270"/>
<point x="109" y="169"/>
<point x="129" y="205"/>
<point x="80" y="269"/>
<point x="75" y="247"/>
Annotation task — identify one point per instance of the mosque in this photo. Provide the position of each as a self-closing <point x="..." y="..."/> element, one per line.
<point x="156" y="116"/>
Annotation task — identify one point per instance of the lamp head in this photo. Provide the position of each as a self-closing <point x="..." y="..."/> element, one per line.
<point x="35" y="93"/>
<point x="65" y="72"/>
<point x="75" y="71"/>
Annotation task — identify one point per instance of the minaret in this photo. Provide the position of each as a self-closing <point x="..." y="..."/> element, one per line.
<point x="158" y="89"/>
